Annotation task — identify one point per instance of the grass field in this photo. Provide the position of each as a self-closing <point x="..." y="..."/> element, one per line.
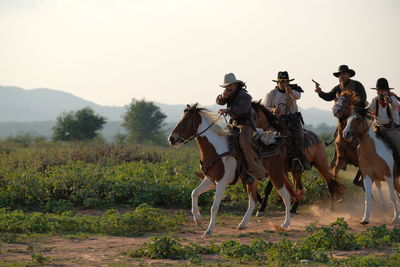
<point x="105" y="205"/>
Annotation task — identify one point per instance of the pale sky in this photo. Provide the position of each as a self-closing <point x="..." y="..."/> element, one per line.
<point x="177" y="51"/>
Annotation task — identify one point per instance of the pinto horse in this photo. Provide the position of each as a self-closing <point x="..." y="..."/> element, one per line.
<point x="315" y="153"/>
<point x="376" y="162"/>
<point x="219" y="165"/>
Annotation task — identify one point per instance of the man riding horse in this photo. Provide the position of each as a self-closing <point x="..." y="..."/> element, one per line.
<point x="238" y="103"/>
<point x="282" y="102"/>
<point x="345" y="84"/>
<point x="385" y="111"/>
<point x="350" y="86"/>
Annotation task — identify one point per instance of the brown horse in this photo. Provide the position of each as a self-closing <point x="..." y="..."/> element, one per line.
<point x="314" y="151"/>
<point x="219" y="165"/>
<point x="345" y="150"/>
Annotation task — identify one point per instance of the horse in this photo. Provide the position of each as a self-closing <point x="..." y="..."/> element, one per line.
<point x="345" y="151"/>
<point x="314" y="151"/>
<point x="218" y="165"/>
<point x="376" y="161"/>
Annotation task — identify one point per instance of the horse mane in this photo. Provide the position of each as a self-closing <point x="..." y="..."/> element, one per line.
<point x="271" y="118"/>
<point x="209" y="117"/>
<point x="352" y="96"/>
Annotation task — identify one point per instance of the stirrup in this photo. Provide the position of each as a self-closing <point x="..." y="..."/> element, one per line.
<point x="249" y="179"/>
<point x="297" y="166"/>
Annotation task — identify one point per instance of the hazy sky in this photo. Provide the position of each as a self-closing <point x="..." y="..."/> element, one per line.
<point x="177" y="51"/>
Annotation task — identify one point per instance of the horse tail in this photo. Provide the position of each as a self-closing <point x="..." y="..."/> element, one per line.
<point x="296" y="195"/>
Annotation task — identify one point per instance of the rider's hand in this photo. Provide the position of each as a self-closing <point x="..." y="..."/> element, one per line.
<point x="318" y="90"/>
<point x="275" y="111"/>
<point x="387" y="99"/>
<point x="226" y="94"/>
<point x="223" y="111"/>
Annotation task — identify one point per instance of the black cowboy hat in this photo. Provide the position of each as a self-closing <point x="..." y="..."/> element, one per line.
<point x="382" y="84"/>
<point x="344" y="68"/>
<point x="283" y="76"/>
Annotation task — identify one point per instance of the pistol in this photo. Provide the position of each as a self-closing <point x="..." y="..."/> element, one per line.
<point x="316" y="83"/>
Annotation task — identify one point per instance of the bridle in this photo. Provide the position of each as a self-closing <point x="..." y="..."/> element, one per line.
<point x="187" y="140"/>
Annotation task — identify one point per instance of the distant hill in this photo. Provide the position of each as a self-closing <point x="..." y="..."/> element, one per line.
<point x="34" y="111"/>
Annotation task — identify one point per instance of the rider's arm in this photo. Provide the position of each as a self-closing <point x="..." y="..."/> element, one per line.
<point x="329" y="96"/>
<point x="372" y="106"/>
<point x="294" y="94"/>
<point x="361" y="94"/>
<point x="268" y="102"/>
<point x="243" y="106"/>
<point x="221" y="100"/>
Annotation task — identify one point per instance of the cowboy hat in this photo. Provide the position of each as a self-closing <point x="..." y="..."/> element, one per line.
<point x="382" y="84"/>
<point x="283" y="76"/>
<point x="344" y="68"/>
<point x="229" y="79"/>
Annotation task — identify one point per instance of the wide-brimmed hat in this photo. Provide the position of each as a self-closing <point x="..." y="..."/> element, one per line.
<point x="382" y="84"/>
<point x="229" y="79"/>
<point x="283" y="76"/>
<point x="344" y="68"/>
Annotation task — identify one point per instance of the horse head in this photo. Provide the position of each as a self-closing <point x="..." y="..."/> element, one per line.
<point x="187" y="126"/>
<point x="344" y="105"/>
<point x="265" y="119"/>
<point x="357" y="124"/>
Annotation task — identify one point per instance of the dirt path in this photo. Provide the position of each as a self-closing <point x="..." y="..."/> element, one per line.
<point x="104" y="250"/>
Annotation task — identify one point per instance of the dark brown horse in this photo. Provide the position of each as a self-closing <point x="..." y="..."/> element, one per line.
<point x="219" y="165"/>
<point x="314" y="151"/>
<point x="345" y="150"/>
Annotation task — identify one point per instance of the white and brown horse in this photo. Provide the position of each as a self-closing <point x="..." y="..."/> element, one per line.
<point x="376" y="162"/>
<point x="219" y="166"/>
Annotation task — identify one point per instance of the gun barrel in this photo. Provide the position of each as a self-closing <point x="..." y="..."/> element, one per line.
<point x="316" y="83"/>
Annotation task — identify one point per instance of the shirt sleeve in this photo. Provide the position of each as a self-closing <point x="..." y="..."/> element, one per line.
<point x="372" y="106"/>
<point x="243" y="106"/>
<point x="268" y="102"/>
<point x="220" y="100"/>
<point x="330" y="95"/>
<point x="295" y="94"/>
<point x="394" y="106"/>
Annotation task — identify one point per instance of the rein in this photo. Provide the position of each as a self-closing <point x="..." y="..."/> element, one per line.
<point x="185" y="141"/>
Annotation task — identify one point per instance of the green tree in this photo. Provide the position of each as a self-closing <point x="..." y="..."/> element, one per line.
<point x="144" y="121"/>
<point x="79" y="125"/>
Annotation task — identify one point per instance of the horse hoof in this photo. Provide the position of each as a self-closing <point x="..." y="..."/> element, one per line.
<point x="364" y="222"/>
<point x="285" y="226"/>
<point x="396" y="220"/>
<point x="207" y="233"/>
<point x="198" y="220"/>
<point x="260" y="213"/>
<point x="241" y="227"/>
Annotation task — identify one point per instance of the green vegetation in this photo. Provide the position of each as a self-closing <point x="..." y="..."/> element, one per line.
<point x="311" y="249"/>
<point x="143" y="219"/>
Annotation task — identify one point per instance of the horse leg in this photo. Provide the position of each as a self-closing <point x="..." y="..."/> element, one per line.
<point x="368" y="192"/>
<point x="204" y="186"/>
<point x="393" y="198"/>
<point x="267" y="192"/>
<point x="220" y="189"/>
<point x="252" y="193"/>
<point x="298" y="186"/>
<point x="286" y="200"/>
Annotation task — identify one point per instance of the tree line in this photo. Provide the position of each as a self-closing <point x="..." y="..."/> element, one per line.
<point x="143" y="121"/>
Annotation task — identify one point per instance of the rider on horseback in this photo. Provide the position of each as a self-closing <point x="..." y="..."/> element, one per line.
<point x="345" y="84"/>
<point x="385" y="110"/>
<point x="238" y="103"/>
<point x="282" y="102"/>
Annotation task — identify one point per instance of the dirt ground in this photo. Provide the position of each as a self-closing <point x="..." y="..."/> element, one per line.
<point x="106" y="250"/>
